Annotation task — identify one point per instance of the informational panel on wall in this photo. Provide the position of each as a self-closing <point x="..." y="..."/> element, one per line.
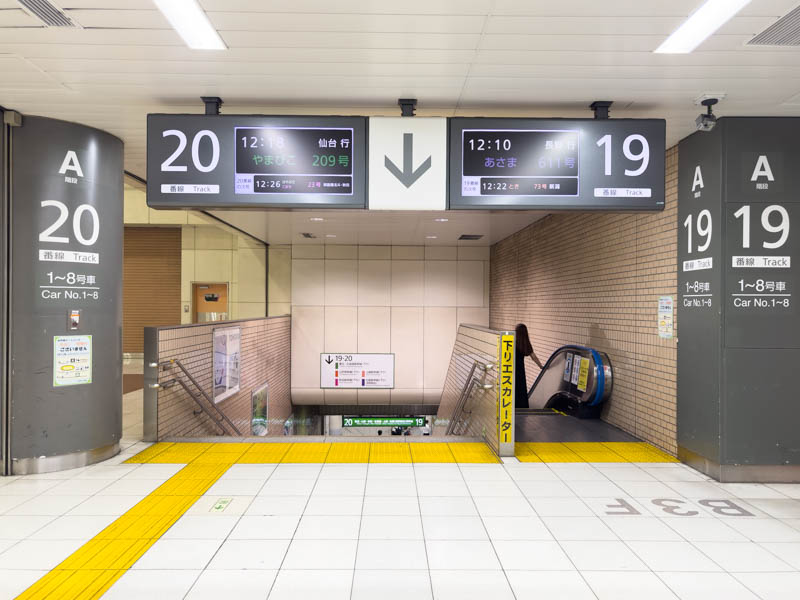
<point x="666" y="313"/>
<point x="72" y="360"/>
<point x="259" y="422"/>
<point x="365" y="371"/>
<point x="227" y="362"/>
<point x="245" y="161"/>
<point x="557" y="164"/>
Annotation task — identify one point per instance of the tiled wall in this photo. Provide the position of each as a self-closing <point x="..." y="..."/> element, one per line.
<point x="479" y="413"/>
<point x="407" y="300"/>
<point x="212" y="254"/>
<point x="595" y="279"/>
<point x="264" y="358"/>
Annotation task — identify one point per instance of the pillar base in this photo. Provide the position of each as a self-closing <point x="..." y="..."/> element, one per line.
<point x="740" y="473"/>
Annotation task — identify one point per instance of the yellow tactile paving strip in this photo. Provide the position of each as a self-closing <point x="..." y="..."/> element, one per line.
<point x="590" y="452"/>
<point x="93" y="568"/>
<point x="89" y="571"/>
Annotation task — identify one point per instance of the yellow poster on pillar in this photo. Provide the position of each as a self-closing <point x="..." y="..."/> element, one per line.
<point x="505" y="399"/>
<point x="583" y="376"/>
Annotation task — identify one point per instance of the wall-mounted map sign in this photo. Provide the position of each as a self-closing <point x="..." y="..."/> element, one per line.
<point x="366" y="371"/>
<point x="235" y="161"/>
<point x="578" y="164"/>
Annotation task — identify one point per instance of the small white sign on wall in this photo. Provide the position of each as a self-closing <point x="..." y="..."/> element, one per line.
<point x="349" y="371"/>
<point x="407" y="163"/>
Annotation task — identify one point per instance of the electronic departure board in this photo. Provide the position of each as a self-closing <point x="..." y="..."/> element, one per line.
<point x="236" y="161"/>
<point x="578" y="164"/>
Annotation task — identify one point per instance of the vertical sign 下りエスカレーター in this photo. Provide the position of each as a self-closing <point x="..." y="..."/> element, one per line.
<point x="240" y="161"/>
<point x="505" y="396"/>
<point x="353" y="371"/>
<point x="578" y="164"/>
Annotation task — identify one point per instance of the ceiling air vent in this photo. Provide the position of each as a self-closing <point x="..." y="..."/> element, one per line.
<point x="308" y="236"/>
<point x="470" y="236"/>
<point x="47" y="13"/>
<point x="783" y="32"/>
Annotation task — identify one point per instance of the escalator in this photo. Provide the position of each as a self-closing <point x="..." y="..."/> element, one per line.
<point x="575" y="380"/>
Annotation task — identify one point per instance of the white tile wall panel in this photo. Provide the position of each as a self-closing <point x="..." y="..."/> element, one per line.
<point x="308" y="282"/>
<point x="470" y="283"/>
<point x="374" y="329"/>
<point x="473" y="252"/>
<point x="308" y="251"/>
<point x="408" y="282"/>
<point x="440" y="283"/>
<point x="408" y="252"/>
<point x="375" y="252"/>
<point x="473" y="316"/>
<point x="341" y="397"/>
<point x="305" y="396"/>
<point x="439" y="335"/>
<point x="374" y="282"/>
<point x="442" y="253"/>
<point x="308" y="337"/>
<point x="407" y="346"/>
<point x="369" y="397"/>
<point x="341" y="252"/>
<point x="341" y="282"/>
<point x="341" y="329"/>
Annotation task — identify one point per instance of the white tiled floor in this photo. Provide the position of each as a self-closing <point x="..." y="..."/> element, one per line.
<point x="429" y="532"/>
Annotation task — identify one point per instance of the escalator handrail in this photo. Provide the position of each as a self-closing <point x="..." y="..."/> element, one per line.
<point x="598" y="362"/>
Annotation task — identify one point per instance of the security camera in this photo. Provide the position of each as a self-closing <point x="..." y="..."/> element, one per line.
<point x="706" y="121"/>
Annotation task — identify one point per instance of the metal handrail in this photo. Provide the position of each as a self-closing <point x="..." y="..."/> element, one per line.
<point x="169" y="383"/>
<point x="175" y="361"/>
<point x="466" y="391"/>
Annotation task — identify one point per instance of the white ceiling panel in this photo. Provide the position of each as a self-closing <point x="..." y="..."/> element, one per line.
<point x="406" y="7"/>
<point x="120" y="18"/>
<point x="317" y="22"/>
<point x="458" y="57"/>
<point x="250" y="69"/>
<point x="16" y="17"/>
<point x="405" y="228"/>
<point x="358" y="39"/>
<point x="287" y="56"/>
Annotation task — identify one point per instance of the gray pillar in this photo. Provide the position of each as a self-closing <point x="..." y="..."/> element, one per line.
<point x="738" y="323"/>
<point x="65" y="325"/>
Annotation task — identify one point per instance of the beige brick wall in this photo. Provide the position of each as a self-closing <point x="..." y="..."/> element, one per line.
<point x="265" y="356"/>
<point x="595" y="279"/>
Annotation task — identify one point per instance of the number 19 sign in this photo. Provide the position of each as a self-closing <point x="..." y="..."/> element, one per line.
<point x="561" y="164"/>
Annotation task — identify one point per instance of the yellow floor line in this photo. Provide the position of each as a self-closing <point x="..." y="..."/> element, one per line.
<point x="398" y="452"/>
<point x="348" y="453"/>
<point x="433" y="452"/>
<point x="94" y="567"/>
<point x="390" y="452"/>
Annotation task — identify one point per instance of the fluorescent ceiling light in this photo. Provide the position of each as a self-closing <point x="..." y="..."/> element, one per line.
<point x="712" y="15"/>
<point x="191" y="23"/>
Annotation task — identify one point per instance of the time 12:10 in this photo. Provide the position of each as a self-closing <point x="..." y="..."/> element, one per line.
<point x="481" y="144"/>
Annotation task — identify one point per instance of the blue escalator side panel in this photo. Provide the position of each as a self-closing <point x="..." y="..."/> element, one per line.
<point x="598" y="361"/>
<point x="601" y="377"/>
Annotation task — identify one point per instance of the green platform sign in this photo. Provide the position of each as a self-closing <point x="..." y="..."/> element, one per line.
<point x="383" y="421"/>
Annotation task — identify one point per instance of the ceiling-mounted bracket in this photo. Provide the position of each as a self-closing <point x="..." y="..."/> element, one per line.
<point x="212" y="104"/>
<point x="601" y="108"/>
<point x="407" y="106"/>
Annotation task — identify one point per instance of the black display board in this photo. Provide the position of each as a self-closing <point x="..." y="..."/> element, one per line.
<point x="245" y="161"/>
<point x="557" y="164"/>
